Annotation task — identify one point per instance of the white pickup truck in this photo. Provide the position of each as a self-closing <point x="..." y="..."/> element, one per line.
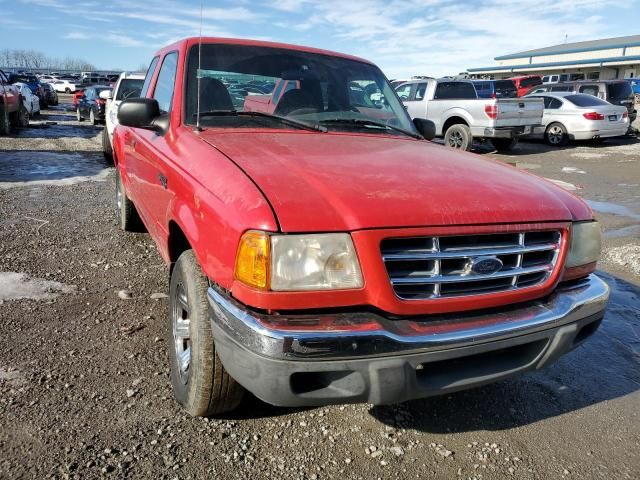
<point x="460" y="116"/>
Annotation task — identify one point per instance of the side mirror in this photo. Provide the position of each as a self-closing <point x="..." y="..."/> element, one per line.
<point x="426" y="128"/>
<point x="139" y="113"/>
<point x="106" y="94"/>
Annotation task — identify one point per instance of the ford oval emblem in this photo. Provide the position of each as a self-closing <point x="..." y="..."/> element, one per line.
<point x="483" y="265"/>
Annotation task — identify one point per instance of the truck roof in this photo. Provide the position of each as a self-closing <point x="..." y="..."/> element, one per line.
<point x="190" y="41"/>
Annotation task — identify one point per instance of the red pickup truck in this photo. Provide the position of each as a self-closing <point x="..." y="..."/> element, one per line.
<point x="319" y="254"/>
<point x="10" y="103"/>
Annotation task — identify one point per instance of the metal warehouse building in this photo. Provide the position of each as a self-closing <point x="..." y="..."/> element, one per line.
<point x="605" y="59"/>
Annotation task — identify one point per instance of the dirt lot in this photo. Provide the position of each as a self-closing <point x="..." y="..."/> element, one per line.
<point x="84" y="388"/>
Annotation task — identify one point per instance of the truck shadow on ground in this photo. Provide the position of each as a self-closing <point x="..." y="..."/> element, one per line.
<point x="25" y="166"/>
<point x="536" y="147"/>
<point x="606" y="367"/>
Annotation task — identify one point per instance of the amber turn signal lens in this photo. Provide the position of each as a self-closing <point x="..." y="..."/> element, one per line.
<point x="253" y="260"/>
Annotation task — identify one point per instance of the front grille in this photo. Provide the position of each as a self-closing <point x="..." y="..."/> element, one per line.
<point x="434" y="267"/>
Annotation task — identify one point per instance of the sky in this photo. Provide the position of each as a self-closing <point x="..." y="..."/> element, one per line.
<point x="403" y="37"/>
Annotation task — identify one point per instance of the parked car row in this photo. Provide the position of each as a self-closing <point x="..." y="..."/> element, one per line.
<point x="616" y="92"/>
<point x="502" y="111"/>
<point x="24" y="94"/>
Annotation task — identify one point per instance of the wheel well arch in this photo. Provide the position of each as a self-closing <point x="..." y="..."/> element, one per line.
<point x="177" y="243"/>
<point x="554" y="123"/>
<point x="453" y="121"/>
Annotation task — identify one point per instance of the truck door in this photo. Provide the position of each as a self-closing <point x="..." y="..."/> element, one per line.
<point x="416" y="105"/>
<point x="153" y="155"/>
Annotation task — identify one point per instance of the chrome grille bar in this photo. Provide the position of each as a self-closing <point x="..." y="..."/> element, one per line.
<point x="390" y="257"/>
<point x="467" y="278"/>
<point x="434" y="267"/>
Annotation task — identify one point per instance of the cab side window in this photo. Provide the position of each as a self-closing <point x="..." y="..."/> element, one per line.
<point x="148" y="77"/>
<point x="404" y="91"/>
<point x="420" y="91"/>
<point x="163" y="91"/>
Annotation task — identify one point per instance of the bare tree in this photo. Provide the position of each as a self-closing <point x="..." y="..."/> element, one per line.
<point x="28" y="59"/>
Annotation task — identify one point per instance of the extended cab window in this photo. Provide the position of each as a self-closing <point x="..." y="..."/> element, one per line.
<point x="163" y="92"/>
<point x="455" y="90"/>
<point x="148" y="77"/>
<point x="420" y="91"/>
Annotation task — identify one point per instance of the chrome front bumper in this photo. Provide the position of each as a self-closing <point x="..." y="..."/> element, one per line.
<point x="394" y="363"/>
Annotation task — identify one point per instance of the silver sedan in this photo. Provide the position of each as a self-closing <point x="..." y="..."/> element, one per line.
<point x="576" y="116"/>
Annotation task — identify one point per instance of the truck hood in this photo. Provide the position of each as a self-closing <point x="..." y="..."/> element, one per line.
<point x="345" y="182"/>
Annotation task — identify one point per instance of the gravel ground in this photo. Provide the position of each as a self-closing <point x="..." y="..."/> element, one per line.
<point x="84" y="387"/>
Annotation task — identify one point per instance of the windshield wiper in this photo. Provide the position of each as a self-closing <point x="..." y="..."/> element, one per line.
<point x="372" y="123"/>
<point x="285" y="120"/>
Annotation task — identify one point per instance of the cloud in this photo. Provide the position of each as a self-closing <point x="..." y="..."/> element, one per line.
<point x="77" y="36"/>
<point x="16" y="24"/>
<point x="404" y="37"/>
<point x="116" y="38"/>
<point x="437" y="38"/>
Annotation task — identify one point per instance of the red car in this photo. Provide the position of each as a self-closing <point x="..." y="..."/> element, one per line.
<point x="526" y="83"/>
<point x="10" y="104"/>
<point x="322" y="255"/>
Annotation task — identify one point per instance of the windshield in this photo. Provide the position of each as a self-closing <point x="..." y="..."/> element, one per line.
<point x="306" y="87"/>
<point x="129" y="88"/>
<point x="583" y="100"/>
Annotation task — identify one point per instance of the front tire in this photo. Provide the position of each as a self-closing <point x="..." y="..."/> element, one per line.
<point x="67" y="90"/>
<point x="556" y="135"/>
<point x="22" y="117"/>
<point x="5" y="122"/>
<point x="200" y="382"/>
<point x="92" y="117"/>
<point x="79" y="116"/>
<point x="126" y="212"/>
<point x="504" y="144"/>
<point x="459" y="137"/>
<point x="107" y="149"/>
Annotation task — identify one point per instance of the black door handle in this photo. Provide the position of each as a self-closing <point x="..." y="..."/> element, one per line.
<point x="163" y="180"/>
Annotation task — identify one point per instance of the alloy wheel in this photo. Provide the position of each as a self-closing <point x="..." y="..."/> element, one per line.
<point x="181" y="322"/>
<point x="455" y="140"/>
<point x="555" y="135"/>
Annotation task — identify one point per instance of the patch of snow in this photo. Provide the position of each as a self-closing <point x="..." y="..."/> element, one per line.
<point x="17" y="286"/>
<point x="572" y="170"/>
<point x="588" y="155"/>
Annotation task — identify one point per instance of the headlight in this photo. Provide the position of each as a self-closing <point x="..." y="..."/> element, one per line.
<point x="298" y="262"/>
<point x="586" y="243"/>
